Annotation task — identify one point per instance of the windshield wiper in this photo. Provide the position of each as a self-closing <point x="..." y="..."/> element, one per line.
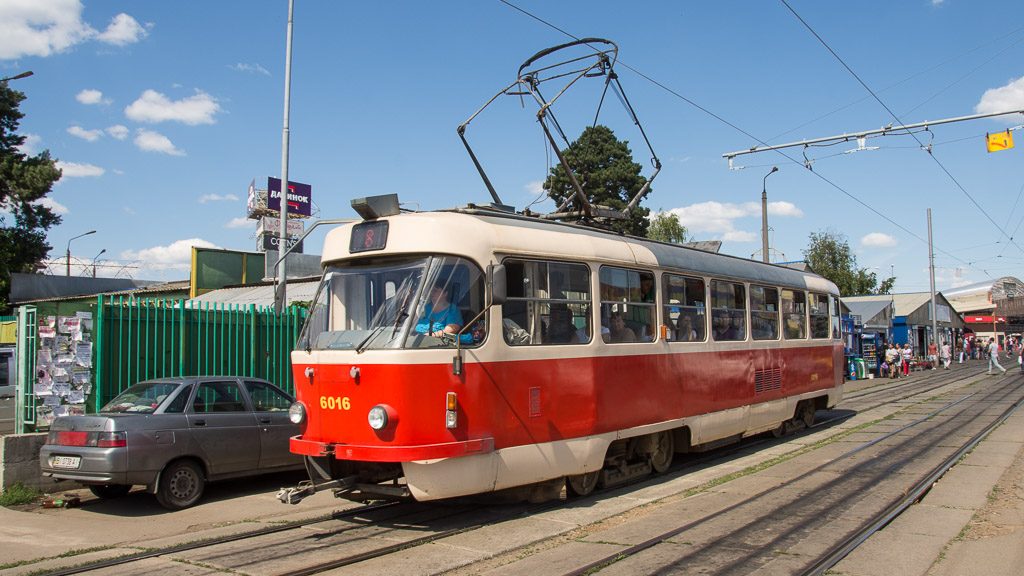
<point x="366" y="341"/>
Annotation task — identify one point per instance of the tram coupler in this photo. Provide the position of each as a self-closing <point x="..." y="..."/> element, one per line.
<point x="308" y="488"/>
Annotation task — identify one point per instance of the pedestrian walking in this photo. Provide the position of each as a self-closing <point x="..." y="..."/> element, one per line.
<point x="944" y="353"/>
<point x="891" y="361"/>
<point x="908" y="356"/>
<point x="933" y="355"/>
<point x="993" y="356"/>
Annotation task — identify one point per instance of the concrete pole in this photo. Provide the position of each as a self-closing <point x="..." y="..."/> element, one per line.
<point x="764" y="214"/>
<point x="931" y="274"/>
<point x="280" y="295"/>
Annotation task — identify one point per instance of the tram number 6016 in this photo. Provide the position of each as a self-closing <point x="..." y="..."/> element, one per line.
<point x="335" y="403"/>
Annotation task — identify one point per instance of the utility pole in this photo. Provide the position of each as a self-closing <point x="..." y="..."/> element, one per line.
<point x="764" y="213"/>
<point x="280" y="295"/>
<point x="931" y="274"/>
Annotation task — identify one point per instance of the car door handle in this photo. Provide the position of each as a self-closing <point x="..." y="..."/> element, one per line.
<point x="264" y="420"/>
<point x="199" y="423"/>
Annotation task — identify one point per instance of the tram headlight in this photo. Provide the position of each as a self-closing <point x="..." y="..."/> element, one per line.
<point x="378" y="417"/>
<point x="297" y="413"/>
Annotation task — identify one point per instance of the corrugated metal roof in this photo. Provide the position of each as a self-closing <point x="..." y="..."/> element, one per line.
<point x="905" y="304"/>
<point x="261" y="295"/>
<point x="866" y="309"/>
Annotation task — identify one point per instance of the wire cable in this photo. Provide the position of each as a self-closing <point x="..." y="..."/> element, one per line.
<point x="897" y="118"/>
<point x="751" y="136"/>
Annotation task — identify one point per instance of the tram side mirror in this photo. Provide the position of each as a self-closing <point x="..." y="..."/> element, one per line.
<point x="496" y="283"/>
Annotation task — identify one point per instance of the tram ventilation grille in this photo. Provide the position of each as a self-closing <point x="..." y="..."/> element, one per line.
<point x="766" y="380"/>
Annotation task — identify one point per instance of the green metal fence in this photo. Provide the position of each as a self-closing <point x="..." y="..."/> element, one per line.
<point x="139" y="340"/>
<point x="135" y="340"/>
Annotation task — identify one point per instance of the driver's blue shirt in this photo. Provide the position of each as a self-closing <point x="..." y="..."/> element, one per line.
<point x="432" y="322"/>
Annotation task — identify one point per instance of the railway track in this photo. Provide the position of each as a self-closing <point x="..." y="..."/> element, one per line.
<point x="369" y="535"/>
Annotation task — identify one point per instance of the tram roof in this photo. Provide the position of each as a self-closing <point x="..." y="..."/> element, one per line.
<point x="514" y="234"/>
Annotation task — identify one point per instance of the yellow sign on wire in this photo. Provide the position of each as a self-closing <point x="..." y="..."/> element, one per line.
<point x="999" y="141"/>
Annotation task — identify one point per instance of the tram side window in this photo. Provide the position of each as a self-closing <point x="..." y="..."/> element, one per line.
<point x="728" y="311"/>
<point x="546" y="303"/>
<point x="819" y="316"/>
<point x="684" y="308"/>
<point x="628" y="312"/>
<point x="794" y="314"/>
<point x="833" y="307"/>
<point x="764" y="313"/>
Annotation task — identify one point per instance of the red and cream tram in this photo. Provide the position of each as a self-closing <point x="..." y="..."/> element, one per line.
<point x="467" y="351"/>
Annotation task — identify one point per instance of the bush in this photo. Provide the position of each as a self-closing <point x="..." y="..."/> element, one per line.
<point x="18" y="494"/>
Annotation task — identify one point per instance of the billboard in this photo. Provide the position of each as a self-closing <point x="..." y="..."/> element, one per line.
<point x="268" y="242"/>
<point x="272" y="225"/>
<point x="300" y="197"/>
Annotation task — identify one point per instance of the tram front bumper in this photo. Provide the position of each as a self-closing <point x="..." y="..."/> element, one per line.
<point x="363" y="453"/>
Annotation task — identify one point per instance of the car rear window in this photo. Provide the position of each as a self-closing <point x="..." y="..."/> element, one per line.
<point x="144" y="397"/>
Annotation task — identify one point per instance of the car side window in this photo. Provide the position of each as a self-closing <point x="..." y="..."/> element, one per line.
<point x="266" y="398"/>
<point x="218" y="397"/>
<point x="180" y="402"/>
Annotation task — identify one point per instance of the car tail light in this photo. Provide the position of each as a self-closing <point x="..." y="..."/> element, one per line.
<point x="111" y="440"/>
<point x="90" y="439"/>
<point x="71" y="438"/>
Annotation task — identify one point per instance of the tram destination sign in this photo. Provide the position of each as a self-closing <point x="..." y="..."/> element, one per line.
<point x="300" y="197"/>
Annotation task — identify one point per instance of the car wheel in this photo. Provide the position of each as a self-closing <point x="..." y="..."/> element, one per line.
<point x="181" y="485"/>
<point x="107" y="491"/>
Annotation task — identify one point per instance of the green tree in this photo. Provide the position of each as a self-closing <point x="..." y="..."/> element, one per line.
<point x="665" y="227"/>
<point x="829" y="255"/>
<point x="604" y="167"/>
<point x="24" y="181"/>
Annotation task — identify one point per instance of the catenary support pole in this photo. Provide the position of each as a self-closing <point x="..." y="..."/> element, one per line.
<point x="931" y="276"/>
<point x="280" y="295"/>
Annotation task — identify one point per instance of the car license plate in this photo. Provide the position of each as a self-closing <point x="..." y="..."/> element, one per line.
<point x="66" y="461"/>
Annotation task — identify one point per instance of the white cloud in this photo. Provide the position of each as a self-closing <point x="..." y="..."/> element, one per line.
<point x="740" y="236"/>
<point x="31" y="145"/>
<point x="156" y="142"/>
<point x="175" y="256"/>
<point x="53" y="205"/>
<point x="784" y="209"/>
<point x="240" y="222"/>
<point x="718" y="218"/>
<point x="878" y="240"/>
<point x="123" y="30"/>
<point x="153" y="107"/>
<point x="118" y="131"/>
<point x="90" y="135"/>
<point x="90" y="96"/>
<point x="534" y="188"/>
<point x="250" y="68"/>
<point x="1009" y="97"/>
<point x="76" y="170"/>
<point x="218" y="197"/>
<point x="129" y="211"/>
<point x="34" y="28"/>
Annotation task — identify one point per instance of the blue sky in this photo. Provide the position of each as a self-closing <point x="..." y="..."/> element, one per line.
<point x="161" y="113"/>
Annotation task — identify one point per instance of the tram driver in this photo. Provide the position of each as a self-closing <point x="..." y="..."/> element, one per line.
<point x="441" y="317"/>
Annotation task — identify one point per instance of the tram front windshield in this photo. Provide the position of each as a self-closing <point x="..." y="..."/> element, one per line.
<point x="422" y="302"/>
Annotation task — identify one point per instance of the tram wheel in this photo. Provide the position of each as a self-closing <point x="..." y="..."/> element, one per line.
<point x="664" y="450"/>
<point x="807" y="414"/>
<point x="583" y="484"/>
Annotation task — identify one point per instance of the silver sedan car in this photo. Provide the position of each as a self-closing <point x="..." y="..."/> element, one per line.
<point x="173" y="435"/>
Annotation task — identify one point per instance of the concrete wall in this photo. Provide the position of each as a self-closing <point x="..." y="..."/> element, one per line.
<point x="19" y="462"/>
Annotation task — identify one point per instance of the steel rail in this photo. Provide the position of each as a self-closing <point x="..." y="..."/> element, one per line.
<point x="199" y="544"/>
<point x="666" y="535"/>
<point x="838" y="552"/>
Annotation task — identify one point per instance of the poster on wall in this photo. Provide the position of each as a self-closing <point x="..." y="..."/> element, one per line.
<point x="63" y="367"/>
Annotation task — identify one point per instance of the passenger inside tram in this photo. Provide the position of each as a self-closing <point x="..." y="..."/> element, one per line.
<point x="618" y="331"/>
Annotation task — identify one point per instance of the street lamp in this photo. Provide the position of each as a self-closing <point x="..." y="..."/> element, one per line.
<point x="764" y="213"/>
<point x="18" y="77"/>
<point x="68" y="251"/>
<point x="94" y="262"/>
